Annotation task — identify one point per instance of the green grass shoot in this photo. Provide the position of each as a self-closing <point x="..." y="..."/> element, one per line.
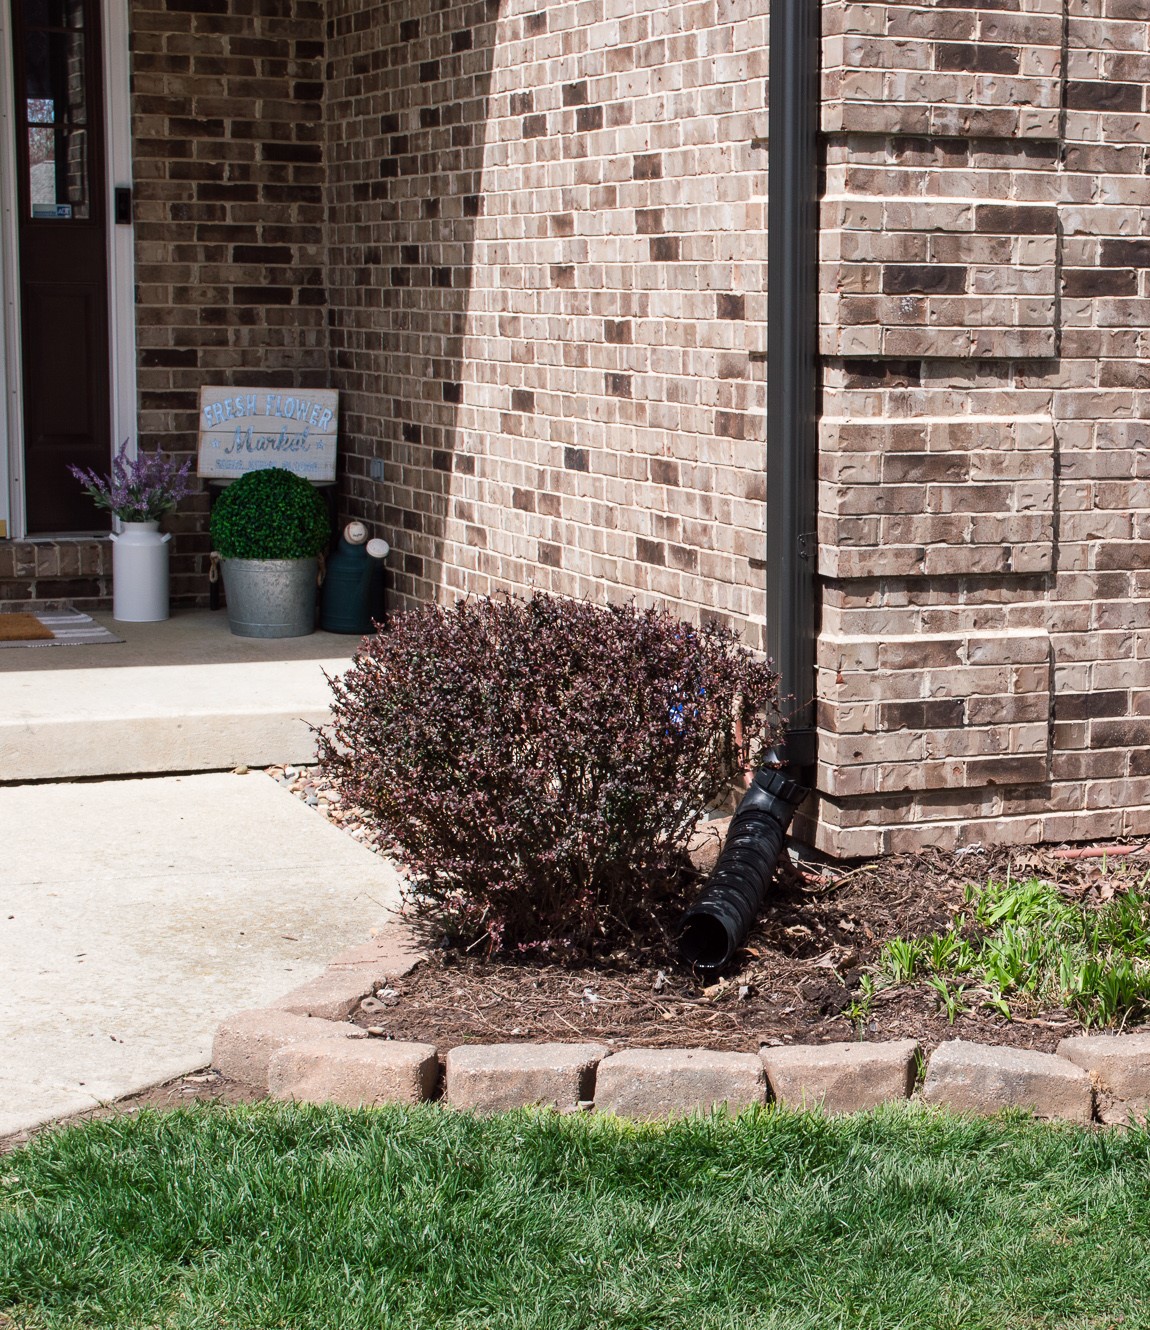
<point x="1023" y="946"/>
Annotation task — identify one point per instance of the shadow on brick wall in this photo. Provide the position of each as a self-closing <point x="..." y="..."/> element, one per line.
<point x="407" y="112"/>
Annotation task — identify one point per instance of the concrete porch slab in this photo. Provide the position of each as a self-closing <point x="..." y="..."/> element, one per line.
<point x="182" y="695"/>
<point x="137" y="914"/>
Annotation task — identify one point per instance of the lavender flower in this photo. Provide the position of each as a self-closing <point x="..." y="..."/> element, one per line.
<point x="140" y="489"/>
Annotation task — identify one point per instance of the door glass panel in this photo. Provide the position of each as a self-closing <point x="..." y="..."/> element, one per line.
<point x="55" y="108"/>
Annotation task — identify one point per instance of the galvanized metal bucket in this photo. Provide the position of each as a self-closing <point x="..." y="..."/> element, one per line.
<point x="271" y="597"/>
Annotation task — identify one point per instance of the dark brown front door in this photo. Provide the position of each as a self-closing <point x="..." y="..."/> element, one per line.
<point x="63" y="257"/>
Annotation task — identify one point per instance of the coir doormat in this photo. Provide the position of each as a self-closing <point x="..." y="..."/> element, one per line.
<point x="53" y="628"/>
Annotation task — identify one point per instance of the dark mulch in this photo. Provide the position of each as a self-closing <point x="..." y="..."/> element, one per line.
<point x="795" y="981"/>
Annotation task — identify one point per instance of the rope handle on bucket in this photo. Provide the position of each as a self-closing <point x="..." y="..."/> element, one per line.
<point x="214" y="568"/>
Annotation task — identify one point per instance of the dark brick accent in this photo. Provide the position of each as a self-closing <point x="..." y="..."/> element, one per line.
<point x="1088" y="706"/>
<point x="923" y="279"/>
<point x="1125" y="253"/>
<point x="976" y="58"/>
<point x="1133" y="732"/>
<point x="1099" y="282"/>
<point x="730" y="306"/>
<point x="651" y="551"/>
<point x="618" y="385"/>
<point x="575" y="459"/>
<point x="730" y="424"/>
<point x="1015" y="219"/>
<point x="882" y="373"/>
<point x="1103" y="96"/>
<point x="937" y="714"/>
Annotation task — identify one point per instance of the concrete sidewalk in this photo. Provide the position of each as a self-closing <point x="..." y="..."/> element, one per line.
<point x="182" y="695"/>
<point x="136" y="914"/>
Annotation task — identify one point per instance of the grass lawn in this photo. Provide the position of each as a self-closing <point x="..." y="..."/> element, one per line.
<point x="296" y="1217"/>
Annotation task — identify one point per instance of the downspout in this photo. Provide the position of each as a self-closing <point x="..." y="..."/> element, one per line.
<point x="717" y="924"/>
<point x="792" y="380"/>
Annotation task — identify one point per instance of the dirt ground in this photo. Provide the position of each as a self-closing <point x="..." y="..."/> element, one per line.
<point x="797" y="980"/>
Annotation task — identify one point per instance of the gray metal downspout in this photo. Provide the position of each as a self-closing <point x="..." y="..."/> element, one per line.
<point x="715" y="927"/>
<point x="792" y="381"/>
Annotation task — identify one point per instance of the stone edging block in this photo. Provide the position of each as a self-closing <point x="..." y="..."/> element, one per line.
<point x="303" y="1048"/>
<point x="353" y="1073"/>
<point x="491" y="1078"/>
<point x="841" y="1078"/>
<point x="980" y="1078"/>
<point x="655" y="1082"/>
<point x="1119" y="1067"/>
<point x="390" y="951"/>
<point x="245" y="1042"/>
<point x="335" y="994"/>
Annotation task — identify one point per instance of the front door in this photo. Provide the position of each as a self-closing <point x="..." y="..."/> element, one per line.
<point x="63" y="257"/>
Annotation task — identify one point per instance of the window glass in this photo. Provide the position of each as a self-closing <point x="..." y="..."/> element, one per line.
<point x="55" y="103"/>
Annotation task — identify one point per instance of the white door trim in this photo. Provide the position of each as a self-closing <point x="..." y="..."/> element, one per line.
<point x="11" y="414"/>
<point x="121" y="239"/>
<point x="121" y="260"/>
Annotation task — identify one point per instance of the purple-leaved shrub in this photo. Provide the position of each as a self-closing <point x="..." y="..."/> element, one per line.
<point x="538" y="765"/>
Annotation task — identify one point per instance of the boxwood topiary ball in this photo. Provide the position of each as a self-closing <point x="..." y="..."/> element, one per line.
<point x="271" y="514"/>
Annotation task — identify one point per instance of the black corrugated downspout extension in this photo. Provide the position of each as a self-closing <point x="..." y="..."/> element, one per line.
<point x="792" y="380"/>
<point x="715" y="927"/>
<point x="717" y="924"/>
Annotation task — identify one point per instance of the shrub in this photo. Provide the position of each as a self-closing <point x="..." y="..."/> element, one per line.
<point x="270" y="514"/>
<point x="539" y="765"/>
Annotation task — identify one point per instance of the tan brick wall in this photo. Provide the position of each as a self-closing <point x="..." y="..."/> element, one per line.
<point x="548" y="292"/>
<point x="985" y="504"/>
<point x="227" y="132"/>
<point x="542" y="244"/>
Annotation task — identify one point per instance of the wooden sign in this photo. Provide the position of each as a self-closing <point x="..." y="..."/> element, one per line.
<point x="252" y="429"/>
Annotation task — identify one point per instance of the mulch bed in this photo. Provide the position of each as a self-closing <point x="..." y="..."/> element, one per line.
<point x="794" y="982"/>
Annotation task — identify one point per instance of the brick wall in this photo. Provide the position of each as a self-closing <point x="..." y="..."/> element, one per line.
<point x="547" y="292"/>
<point x="544" y="271"/>
<point x="985" y="504"/>
<point x="47" y="574"/>
<point x="227" y="101"/>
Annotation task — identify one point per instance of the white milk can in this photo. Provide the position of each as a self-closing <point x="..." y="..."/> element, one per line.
<point x="140" y="573"/>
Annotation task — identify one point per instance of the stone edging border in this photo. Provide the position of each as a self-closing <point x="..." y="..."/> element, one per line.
<point x="304" y="1048"/>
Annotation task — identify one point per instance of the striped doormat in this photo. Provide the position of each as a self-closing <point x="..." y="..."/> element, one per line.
<point x="53" y="628"/>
